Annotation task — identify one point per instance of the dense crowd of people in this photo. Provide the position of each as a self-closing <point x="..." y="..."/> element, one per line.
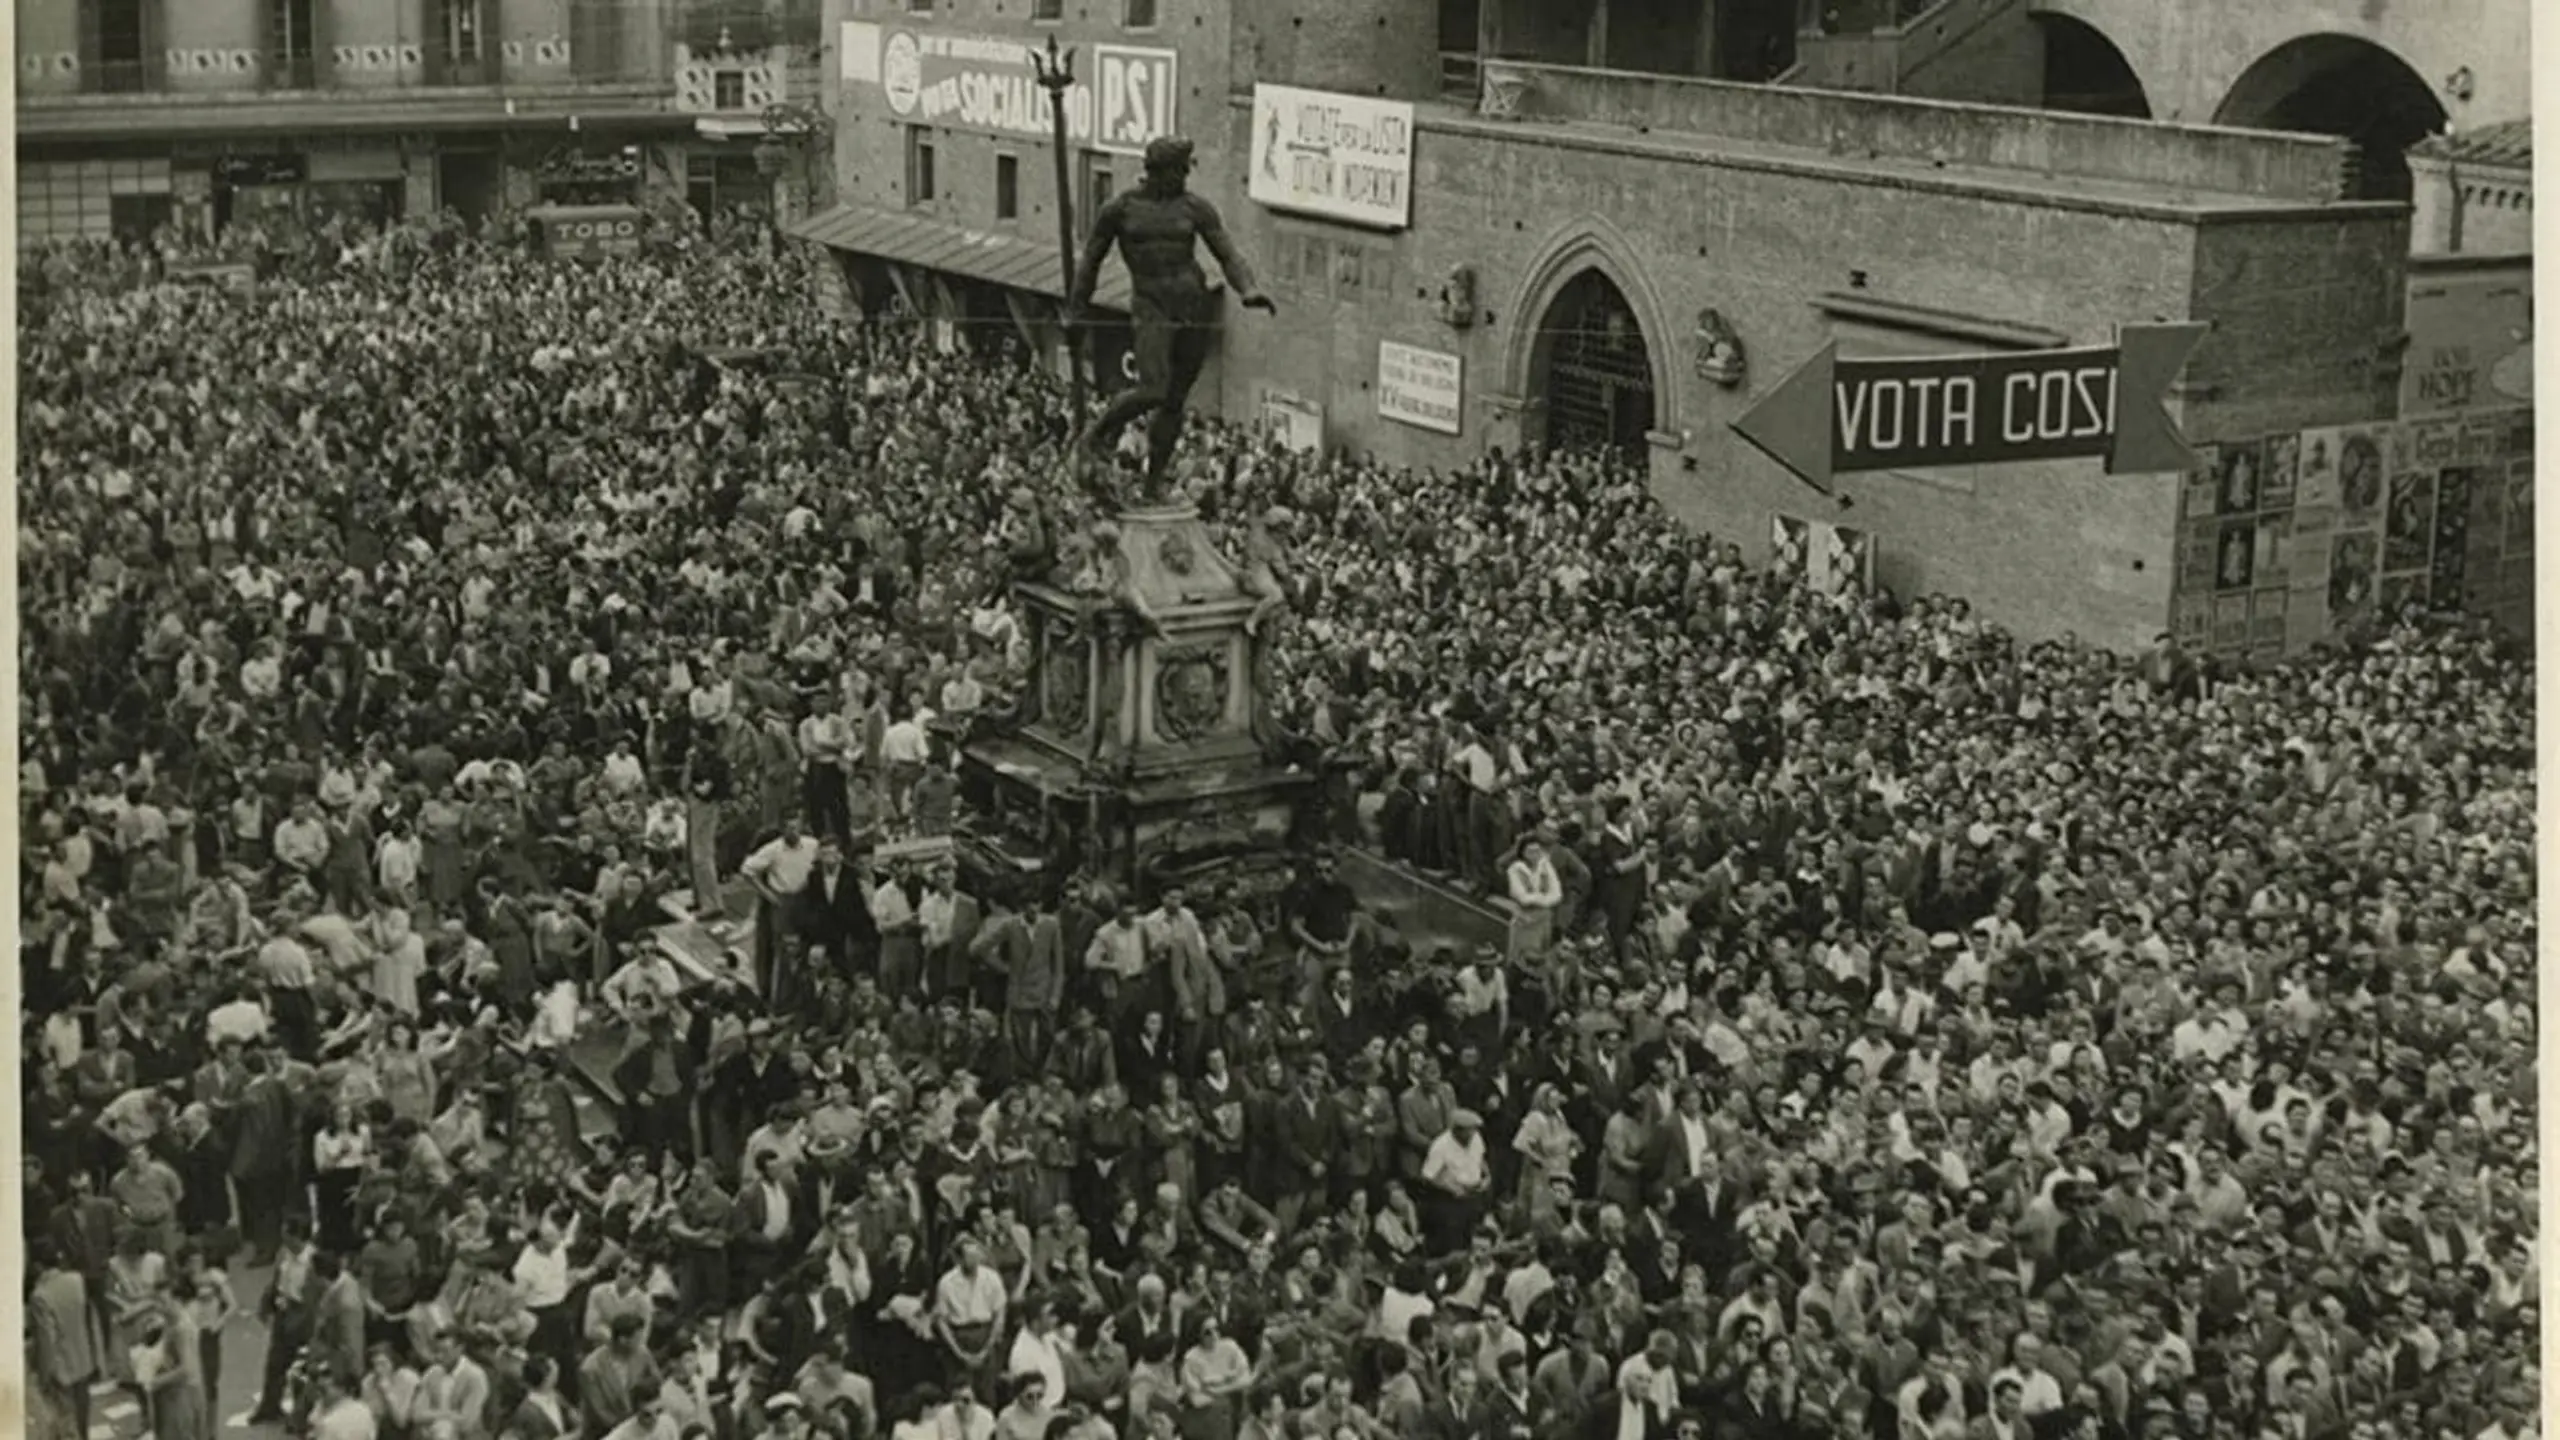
<point x="1923" y="1035"/>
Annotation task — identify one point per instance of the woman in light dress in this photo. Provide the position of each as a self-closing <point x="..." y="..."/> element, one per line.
<point x="173" y="1374"/>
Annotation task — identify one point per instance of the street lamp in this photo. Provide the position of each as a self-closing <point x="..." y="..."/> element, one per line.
<point x="1057" y="75"/>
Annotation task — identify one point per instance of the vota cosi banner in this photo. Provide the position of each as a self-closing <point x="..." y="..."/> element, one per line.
<point x="1124" y="95"/>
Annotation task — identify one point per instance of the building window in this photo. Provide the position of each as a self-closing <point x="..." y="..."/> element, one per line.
<point x="920" y="188"/>
<point x="290" y="43"/>
<point x="1138" y="14"/>
<point x="462" y="29"/>
<point x="728" y="89"/>
<point x="1008" y="187"/>
<point x="919" y="7"/>
<point x="137" y="217"/>
<point x="120" y="45"/>
<point x="1348" y="259"/>
<point x="1048" y="9"/>
<point x="1097" y="182"/>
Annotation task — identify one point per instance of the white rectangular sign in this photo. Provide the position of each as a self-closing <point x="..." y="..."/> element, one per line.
<point x="1344" y="157"/>
<point x="1419" y="387"/>
<point x="1295" y="423"/>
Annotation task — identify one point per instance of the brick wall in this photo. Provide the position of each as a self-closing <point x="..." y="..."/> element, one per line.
<point x="1387" y="48"/>
<point x="2042" y="548"/>
<point x="2307" y="318"/>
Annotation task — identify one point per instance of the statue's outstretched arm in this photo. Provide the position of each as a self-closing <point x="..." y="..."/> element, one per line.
<point x="1213" y="233"/>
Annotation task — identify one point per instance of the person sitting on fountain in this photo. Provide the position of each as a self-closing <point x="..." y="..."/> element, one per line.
<point x="1172" y="314"/>
<point x="1265" y="566"/>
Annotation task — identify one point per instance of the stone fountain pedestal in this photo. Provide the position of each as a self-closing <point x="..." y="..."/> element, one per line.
<point x="1139" y="755"/>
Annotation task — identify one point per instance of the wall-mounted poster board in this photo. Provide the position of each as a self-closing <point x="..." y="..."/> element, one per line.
<point x="2288" y="540"/>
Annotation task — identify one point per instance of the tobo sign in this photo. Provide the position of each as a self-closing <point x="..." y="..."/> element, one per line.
<point x="590" y="232"/>
<point x="1837" y="417"/>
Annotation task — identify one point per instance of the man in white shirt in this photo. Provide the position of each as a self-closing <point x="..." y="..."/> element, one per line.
<point x="454" y="1391"/>
<point x="1118" y="959"/>
<point x="901" y="935"/>
<point x="302" y="839"/>
<point x="1455" y="1165"/>
<point x="779" y="870"/>
<point x="904" y="750"/>
<point x="826" y="747"/>
<point x="767" y="1219"/>
<point x="2040" y="1394"/>
<point x="1179" y="949"/>
<point x="1537" y="890"/>
<point x="968" y="1308"/>
<point x="1648" y="1389"/>
<point x="1037" y="1350"/>
<point x="543" y="1274"/>
<point x="338" y="1414"/>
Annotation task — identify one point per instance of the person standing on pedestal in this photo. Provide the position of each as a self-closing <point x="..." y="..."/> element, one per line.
<point x="1173" y="316"/>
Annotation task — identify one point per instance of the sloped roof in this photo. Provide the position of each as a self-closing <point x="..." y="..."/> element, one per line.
<point x="2507" y="145"/>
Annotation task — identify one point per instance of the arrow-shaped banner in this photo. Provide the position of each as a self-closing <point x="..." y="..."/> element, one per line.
<point x="1839" y="417"/>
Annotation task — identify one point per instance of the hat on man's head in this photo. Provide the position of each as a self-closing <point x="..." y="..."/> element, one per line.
<point x="1168" y="152"/>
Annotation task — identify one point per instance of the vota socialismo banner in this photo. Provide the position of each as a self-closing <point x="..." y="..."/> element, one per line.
<point x="1124" y="95"/>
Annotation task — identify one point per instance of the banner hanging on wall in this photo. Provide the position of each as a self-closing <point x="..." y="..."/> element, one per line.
<point x="1344" y="157"/>
<point x="1420" y="387"/>
<point x="1124" y="95"/>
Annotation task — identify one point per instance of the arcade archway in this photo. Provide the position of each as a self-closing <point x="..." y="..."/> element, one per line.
<point x="2346" y="86"/>
<point x="2085" y="73"/>
<point x="1591" y="367"/>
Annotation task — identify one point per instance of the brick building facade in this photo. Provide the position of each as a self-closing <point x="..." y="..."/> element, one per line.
<point x="1587" y="253"/>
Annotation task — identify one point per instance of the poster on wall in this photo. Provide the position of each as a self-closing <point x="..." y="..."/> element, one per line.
<point x="2230" y="622"/>
<point x="2452" y="544"/>
<point x="2272" y="561"/>
<point x="2267" y="622"/>
<point x="2409" y="522"/>
<point x="1419" y="387"/>
<point x="2235" y="554"/>
<point x="1790" y="544"/>
<point x="1124" y="95"/>
<point x="1844" y="560"/>
<point x="1833" y="558"/>
<point x="1296" y="423"/>
<point x="2359" y="476"/>
<point x="2196" y="553"/>
<point x="1343" y="157"/>
<point x="2516" y="524"/>
<point x="2352" y="574"/>
<point x="2195" y="501"/>
<point x="2470" y="332"/>
<point x="2191" y="620"/>
<point x="2236" y="487"/>
<point x="2280" y="478"/>
<point x="2316" y="481"/>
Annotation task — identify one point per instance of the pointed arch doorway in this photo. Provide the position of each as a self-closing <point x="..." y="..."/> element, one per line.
<point x="1591" y="368"/>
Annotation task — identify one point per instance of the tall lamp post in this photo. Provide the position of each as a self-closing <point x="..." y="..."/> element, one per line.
<point x="1056" y="72"/>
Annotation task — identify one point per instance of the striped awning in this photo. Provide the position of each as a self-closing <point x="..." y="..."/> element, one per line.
<point x="988" y="255"/>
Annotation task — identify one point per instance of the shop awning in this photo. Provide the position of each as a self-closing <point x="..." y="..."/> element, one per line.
<point x="935" y="244"/>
